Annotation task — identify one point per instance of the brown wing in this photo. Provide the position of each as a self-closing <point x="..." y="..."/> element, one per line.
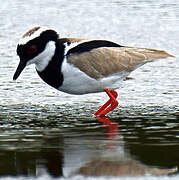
<point x="102" y="62"/>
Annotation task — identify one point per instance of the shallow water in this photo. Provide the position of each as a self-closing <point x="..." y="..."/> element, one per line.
<point x="47" y="134"/>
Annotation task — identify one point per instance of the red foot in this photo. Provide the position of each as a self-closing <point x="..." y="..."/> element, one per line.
<point x="104" y="109"/>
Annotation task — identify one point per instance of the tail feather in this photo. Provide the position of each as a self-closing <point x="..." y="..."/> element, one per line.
<point x="153" y="54"/>
<point x="139" y="56"/>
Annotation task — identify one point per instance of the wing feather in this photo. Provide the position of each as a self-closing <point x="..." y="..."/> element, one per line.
<point x="102" y="62"/>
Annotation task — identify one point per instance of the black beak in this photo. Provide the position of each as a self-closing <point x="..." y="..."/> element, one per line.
<point x="21" y="66"/>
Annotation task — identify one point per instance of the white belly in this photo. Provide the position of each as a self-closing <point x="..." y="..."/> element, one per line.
<point x="77" y="82"/>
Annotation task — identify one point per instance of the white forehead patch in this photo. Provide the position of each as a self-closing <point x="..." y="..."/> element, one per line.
<point x="33" y="33"/>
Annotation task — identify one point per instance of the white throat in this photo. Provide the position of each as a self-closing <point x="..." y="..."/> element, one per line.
<point x="42" y="60"/>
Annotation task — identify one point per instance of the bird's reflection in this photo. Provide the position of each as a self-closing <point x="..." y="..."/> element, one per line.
<point x="83" y="152"/>
<point x="111" y="167"/>
<point x="110" y="125"/>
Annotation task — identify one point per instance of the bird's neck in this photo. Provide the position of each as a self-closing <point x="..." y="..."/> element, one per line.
<point x="42" y="60"/>
<point x="50" y="70"/>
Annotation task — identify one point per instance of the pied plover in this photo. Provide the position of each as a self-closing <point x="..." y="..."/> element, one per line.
<point x="81" y="66"/>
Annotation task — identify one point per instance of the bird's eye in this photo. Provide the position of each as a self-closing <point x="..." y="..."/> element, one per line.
<point x="32" y="49"/>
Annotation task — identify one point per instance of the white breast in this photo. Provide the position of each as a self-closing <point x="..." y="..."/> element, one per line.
<point x="77" y="82"/>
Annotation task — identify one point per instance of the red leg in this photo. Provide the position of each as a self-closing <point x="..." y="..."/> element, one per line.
<point x="103" y="110"/>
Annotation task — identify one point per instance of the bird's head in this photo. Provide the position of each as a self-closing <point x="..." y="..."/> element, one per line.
<point x="36" y="46"/>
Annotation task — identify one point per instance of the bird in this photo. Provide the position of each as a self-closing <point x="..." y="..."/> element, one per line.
<point x="79" y="65"/>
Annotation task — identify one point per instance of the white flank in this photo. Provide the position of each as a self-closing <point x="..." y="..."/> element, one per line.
<point x="77" y="82"/>
<point x="42" y="60"/>
<point x="32" y="36"/>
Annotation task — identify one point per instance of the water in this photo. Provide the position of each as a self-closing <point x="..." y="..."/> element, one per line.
<point x="47" y="134"/>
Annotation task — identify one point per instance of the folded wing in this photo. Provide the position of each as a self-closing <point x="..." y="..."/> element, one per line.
<point x="105" y="61"/>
